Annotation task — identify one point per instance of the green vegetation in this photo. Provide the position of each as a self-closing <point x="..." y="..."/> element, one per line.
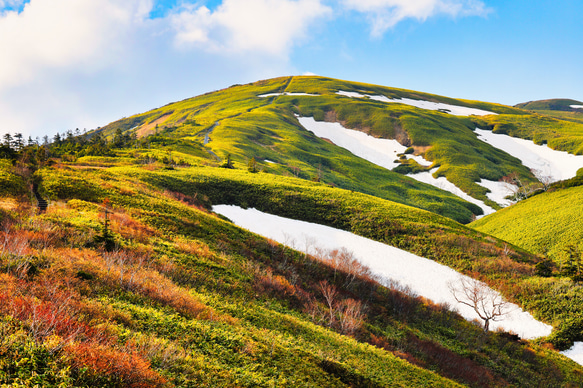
<point x="128" y="279"/>
<point x="544" y="224"/>
<point x="244" y="126"/>
<point x="11" y="184"/>
<point x="236" y="122"/>
<point x="558" y="134"/>
<point x="556" y="104"/>
<point x="186" y="298"/>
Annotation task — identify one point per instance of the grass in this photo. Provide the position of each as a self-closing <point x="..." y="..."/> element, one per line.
<point x="559" y="134"/>
<point x="187" y="298"/>
<point x="544" y="224"/>
<point x="265" y="128"/>
<point x="242" y="126"/>
<point x="11" y="184"/>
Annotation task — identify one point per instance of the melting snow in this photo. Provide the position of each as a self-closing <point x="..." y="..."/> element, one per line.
<point x="425" y="277"/>
<point x="444" y="184"/>
<point x="455" y="110"/>
<point x="270" y="161"/>
<point x="558" y="165"/>
<point x="575" y="353"/>
<point x="382" y="152"/>
<point x="499" y="191"/>
<point x="577" y="106"/>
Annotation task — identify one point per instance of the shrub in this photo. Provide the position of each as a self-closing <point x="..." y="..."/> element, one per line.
<point x="97" y="364"/>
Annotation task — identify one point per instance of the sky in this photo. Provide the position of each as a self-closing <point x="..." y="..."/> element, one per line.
<point x="67" y="64"/>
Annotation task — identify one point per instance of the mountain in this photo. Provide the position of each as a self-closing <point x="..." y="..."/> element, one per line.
<point x="130" y="279"/>
<point x="563" y="109"/>
<point x="559" y="104"/>
<point x="260" y="121"/>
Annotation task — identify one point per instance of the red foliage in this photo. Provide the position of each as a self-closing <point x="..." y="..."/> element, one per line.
<point x="130" y="228"/>
<point x="193" y="201"/>
<point x="129" y="369"/>
<point x="267" y="281"/>
<point x="45" y="308"/>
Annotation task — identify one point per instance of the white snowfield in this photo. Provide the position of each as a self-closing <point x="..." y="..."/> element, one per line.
<point x="444" y="184"/>
<point x="499" y="191"/>
<point x="455" y="110"/>
<point x="577" y="106"/>
<point x="382" y="152"/>
<point x="425" y="277"/>
<point x="557" y="165"/>
<point x="575" y="353"/>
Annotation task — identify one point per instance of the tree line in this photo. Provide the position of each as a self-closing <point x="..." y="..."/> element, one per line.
<point x="36" y="152"/>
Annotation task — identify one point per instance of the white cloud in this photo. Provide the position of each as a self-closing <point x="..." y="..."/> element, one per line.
<point x="61" y="34"/>
<point x="384" y="14"/>
<point x="83" y="63"/>
<point x="268" y="26"/>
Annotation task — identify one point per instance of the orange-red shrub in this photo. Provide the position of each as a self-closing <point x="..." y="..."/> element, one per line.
<point x="127" y="369"/>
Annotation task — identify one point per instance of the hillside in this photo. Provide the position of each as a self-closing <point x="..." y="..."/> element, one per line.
<point x="546" y="224"/>
<point x="563" y="109"/>
<point x="259" y="121"/>
<point x="130" y="279"/>
<point x="128" y="266"/>
<point x="552" y="104"/>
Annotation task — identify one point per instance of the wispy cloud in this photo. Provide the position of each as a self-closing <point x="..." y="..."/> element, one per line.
<point x="270" y="26"/>
<point x="385" y="14"/>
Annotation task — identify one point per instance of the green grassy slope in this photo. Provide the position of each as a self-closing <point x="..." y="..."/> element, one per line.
<point x="559" y="133"/>
<point x="237" y="122"/>
<point x="558" y="108"/>
<point x="560" y="104"/>
<point x="187" y="299"/>
<point x="544" y="224"/>
<point x="264" y="128"/>
<point x="507" y="268"/>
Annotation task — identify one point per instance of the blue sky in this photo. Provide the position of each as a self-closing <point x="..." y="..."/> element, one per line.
<point x="70" y="64"/>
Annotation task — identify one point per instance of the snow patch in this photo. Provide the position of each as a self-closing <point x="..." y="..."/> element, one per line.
<point x="499" y="191"/>
<point x="286" y="94"/>
<point x="575" y="353"/>
<point x="577" y="106"/>
<point x="455" y="110"/>
<point x="269" y="161"/>
<point x="558" y="165"/>
<point x="425" y="277"/>
<point x="443" y="184"/>
<point x="382" y="152"/>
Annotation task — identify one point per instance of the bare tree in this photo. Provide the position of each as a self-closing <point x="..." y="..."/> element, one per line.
<point x="520" y="188"/>
<point x="487" y="303"/>
<point x="330" y="293"/>
<point x="309" y="243"/>
<point x="545" y="180"/>
<point x="350" y="316"/>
